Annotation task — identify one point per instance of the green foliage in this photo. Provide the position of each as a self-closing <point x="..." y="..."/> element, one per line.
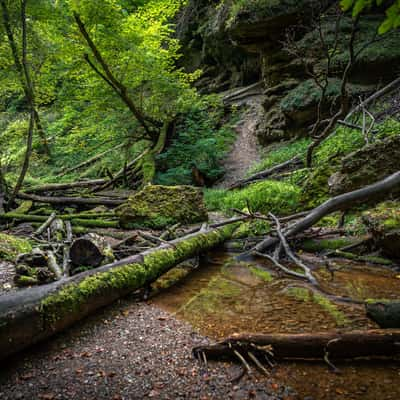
<point x="392" y="20"/>
<point x="204" y="136"/>
<point x="267" y="196"/>
<point x="281" y="153"/>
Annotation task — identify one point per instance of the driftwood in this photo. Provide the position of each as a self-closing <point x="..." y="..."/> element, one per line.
<point x="335" y="345"/>
<point x="33" y="314"/>
<point x="90" y="250"/>
<point x="340" y="202"/>
<point x="291" y="164"/>
<point x="71" y="200"/>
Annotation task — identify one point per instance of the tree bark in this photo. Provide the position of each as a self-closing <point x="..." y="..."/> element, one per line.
<point x="336" y="345"/>
<point x="34" y="314"/>
<point x="90" y="250"/>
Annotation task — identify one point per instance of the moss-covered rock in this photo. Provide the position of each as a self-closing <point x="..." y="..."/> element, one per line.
<point x="383" y="222"/>
<point x="159" y="206"/>
<point x="11" y="246"/>
<point x="371" y="163"/>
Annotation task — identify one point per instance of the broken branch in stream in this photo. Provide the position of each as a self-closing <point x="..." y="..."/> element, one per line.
<point x="309" y="346"/>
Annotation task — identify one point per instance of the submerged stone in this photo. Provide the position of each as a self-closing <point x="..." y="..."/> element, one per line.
<point x="383" y="222"/>
<point x="159" y="206"/>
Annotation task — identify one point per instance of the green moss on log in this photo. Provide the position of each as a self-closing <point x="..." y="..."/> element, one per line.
<point x="124" y="279"/>
<point x="11" y="246"/>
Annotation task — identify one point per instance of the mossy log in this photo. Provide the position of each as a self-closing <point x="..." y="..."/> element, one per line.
<point x="34" y="314"/>
<point x="54" y="187"/>
<point x="98" y="201"/>
<point x="335" y="345"/>
<point x="76" y="220"/>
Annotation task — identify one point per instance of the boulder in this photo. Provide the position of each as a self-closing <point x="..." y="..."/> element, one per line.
<point x="383" y="222"/>
<point x="159" y="206"/>
<point x="370" y="164"/>
<point x="385" y="313"/>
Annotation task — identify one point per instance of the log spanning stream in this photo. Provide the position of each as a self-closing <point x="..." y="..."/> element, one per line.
<point x="224" y="297"/>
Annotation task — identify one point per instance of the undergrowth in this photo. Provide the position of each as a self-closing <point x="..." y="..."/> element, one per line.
<point x="268" y="196"/>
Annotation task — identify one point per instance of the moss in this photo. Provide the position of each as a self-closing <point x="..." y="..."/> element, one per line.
<point x="260" y="273"/>
<point x="266" y="196"/>
<point x="24" y="207"/>
<point x="22" y="280"/>
<point x="95" y="223"/>
<point x="73" y="297"/>
<point x="159" y="206"/>
<point x="316" y="190"/>
<point x="314" y="245"/>
<point x="308" y="296"/>
<point x="252" y="228"/>
<point x="369" y="259"/>
<point x="11" y="246"/>
<point x="170" y="278"/>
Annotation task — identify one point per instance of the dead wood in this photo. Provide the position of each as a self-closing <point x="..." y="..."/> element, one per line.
<point x="338" y="345"/>
<point x="340" y="202"/>
<point x="55" y="187"/>
<point x="90" y="161"/>
<point x="98" y="201"/>
<point x="47" y="223"/>
<point x="33" y="314"/>
<point x="385" y="90"/>
<point x="291" y="164"/>
<point x="90" y="250"/>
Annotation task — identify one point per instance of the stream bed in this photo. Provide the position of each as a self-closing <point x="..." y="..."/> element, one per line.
<point x="224" y="296"/>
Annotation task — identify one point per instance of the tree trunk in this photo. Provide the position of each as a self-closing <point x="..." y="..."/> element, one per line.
<point x="337" y="345"/>
<point x="90" y="250"/>
<point x="34" y="314"/>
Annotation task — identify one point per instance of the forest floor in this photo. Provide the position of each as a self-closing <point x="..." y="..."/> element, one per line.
<point x="245" y="151"/>
<point x="131" y="350"/>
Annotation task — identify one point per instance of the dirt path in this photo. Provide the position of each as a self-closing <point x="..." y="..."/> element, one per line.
<point x="245" y="151"/>
<point x="128" y="351"/>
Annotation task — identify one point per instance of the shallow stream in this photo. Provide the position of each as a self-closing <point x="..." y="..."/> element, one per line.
<point x="223" y="296"/>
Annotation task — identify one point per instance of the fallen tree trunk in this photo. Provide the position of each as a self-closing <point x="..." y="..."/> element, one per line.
<point x="90" y="250"/>
<point x="291" y="164"/>
<point x="54" y="187"/>
<point x="343" y="201"/>
<point x="34" y="314"/>
<point x="335" y="345"/>
<point x="98" y="201"/>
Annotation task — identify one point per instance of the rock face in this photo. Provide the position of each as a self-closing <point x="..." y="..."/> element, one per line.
<point x="383" y="222"/>
<point x="367" y="165"/>
<point x="159" y="206"/>
<point x="240" y="43"/>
